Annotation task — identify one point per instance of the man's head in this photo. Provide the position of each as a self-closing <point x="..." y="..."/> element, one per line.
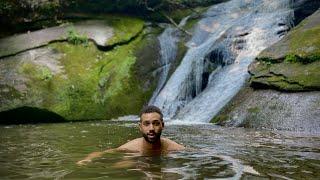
<point x="151" y="123"/>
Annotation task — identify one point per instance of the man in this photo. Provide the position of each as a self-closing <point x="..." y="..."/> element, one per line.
<point x="150" y="125"/>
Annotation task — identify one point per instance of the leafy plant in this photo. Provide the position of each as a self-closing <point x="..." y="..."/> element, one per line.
<point x="46" y="74"/>
<point x="291" y="58"/>
<point x="5" y="7"/>
<point x="305" y="60"/>
<point x="75" y="38"/>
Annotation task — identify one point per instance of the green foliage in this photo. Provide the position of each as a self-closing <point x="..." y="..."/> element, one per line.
<point x="291" y="58"/>
<point x="5" y="7"/>
<point x="75" y="38"/>
<point x="219" y="119"/>
<point x="46" y="74"/>
<point x="50" y="8"/>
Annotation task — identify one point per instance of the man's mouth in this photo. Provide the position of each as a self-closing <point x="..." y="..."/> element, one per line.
<point x="151" y="135"/>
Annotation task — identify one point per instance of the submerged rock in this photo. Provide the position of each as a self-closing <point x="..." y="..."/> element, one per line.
<point x="292" y="64"/>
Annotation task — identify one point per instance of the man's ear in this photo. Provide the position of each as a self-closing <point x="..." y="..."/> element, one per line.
<point x="139" y="124"/>
<point x="162" y="123"/>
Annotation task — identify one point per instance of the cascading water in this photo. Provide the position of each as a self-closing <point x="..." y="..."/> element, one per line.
<point x="224" y="43"/>
<point x="168" y="50"/>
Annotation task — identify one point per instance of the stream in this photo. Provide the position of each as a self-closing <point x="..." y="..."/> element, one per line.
<point x="50" y="151"/>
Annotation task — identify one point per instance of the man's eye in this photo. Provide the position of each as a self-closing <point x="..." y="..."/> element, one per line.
<point x="156" y="123"/>
<point x="146" y="123"/>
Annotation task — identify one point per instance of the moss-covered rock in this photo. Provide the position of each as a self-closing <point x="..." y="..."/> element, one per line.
<point x="272" y="110"/>
<point x="293" y="63"/>
<point x="106" y="32"/>
<point x="81" y="82"/>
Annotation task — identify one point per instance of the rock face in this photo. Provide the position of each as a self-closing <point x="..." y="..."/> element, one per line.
<point x="79" y="81"/>
<point x="96" y="30"/>
<point x="271" y="109"/>
<point x="292" y="64"/>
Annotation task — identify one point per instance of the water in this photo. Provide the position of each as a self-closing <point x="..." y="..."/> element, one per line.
<point x="228" y="39"/>
<point x="168" y="50"/>
<point x="50" y="151"/>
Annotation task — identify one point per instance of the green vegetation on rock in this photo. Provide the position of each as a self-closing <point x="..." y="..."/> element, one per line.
<point x="301" y="44"/>
<point x="293" y="63"/>
<point x="91" y="84"/>
<point x="125" y="28"/>
<point x="75" y="38"/>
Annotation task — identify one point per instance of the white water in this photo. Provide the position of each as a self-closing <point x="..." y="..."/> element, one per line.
<point x="168" y="50"/>
<point x="239" y="30"/>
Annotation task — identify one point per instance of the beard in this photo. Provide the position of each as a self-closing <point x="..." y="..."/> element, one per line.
<point x="153" y="140"/>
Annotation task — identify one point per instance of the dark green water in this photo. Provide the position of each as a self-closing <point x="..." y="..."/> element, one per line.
<point x="50" y="151"/>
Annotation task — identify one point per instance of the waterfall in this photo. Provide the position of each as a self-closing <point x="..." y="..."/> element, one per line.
<point x="224" y="43"/>
<point x="168" y="50"/>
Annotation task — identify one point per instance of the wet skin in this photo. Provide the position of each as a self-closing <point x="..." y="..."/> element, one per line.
<point x="150" y="126"/>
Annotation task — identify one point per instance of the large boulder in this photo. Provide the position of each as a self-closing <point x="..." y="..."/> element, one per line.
<point x="293" y="63"/>
<point x="77" y="80"/>
<point x="273" y="110"/>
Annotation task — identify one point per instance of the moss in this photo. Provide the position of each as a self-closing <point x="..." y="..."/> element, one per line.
<point x="303" y="42"/>
<point x="220" y="119"/>
<point x="190" y="24"/>
<point x="121" y="31"/>
<point x="99" y="84"/>
<point x="297" y="71"/>
<point x="8" y="93"/>
<point x="92" y="84"/>
<point x="253" y="110"/>
<point x="291" y="58"/>
<point x="35" y="72"/>
<point x="178" y="14"/>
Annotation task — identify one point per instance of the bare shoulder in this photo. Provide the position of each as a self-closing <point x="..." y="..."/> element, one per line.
<point x="133" y="145"/>
<point x="171" y="145"/>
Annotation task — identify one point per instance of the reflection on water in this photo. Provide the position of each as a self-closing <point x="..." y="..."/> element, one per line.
<point x="51" y="150"/>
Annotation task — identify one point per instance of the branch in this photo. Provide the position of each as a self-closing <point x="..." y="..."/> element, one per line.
<point x="175" y="24"/>
<point x="145" y="2"/>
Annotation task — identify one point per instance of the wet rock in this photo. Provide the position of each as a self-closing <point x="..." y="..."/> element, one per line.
<point x="293" y="63"/>
<point x="97" y="30"/>
<point x="273" y="110"/>
<point x="80" y="81"/>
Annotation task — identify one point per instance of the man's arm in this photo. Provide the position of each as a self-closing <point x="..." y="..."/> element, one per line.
<point x="93" y="155"/>
<point x="127" y="147"/>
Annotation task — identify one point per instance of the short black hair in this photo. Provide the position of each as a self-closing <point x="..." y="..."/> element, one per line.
<point x="151" y="109"/>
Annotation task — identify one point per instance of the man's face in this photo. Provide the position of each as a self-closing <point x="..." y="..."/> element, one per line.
<point x="151" y="126"/>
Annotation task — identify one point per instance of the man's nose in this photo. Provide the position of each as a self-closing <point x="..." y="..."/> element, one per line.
<point x="151" y="127"/>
